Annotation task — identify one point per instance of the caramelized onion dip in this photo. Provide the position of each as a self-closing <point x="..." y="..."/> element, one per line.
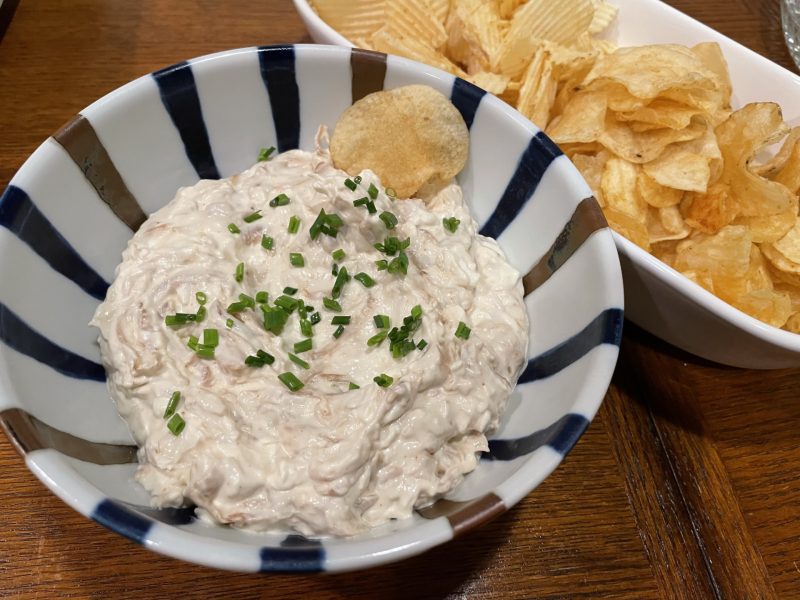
<point x="282" y="368"/>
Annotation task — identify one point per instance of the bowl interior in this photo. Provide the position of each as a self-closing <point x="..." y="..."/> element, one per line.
<point x="70" y="210"/>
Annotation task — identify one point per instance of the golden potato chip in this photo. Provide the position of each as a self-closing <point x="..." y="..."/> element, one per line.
<point x="709" y="211"/>
<point x="407" y="136"/>
<point x="506" y="8"/>
<point x="591" y="167"/>
<point x="771" y="167"/>
<point x="711" y="55"/>
<point x="689" y="165"/>
<point x="491" y="82"/>
<point x="789" y="244"/>
<point x="412" y="19"/>
<point x="538" y="91"/>
<point x="352" y="18"/>
<point x="662" y="113"/>
<point x="665" y="224"/>
<point x="642" y="147"/>
<point x="438" y="8"/>
<point x="559" y="21"/>
<point x="604" y="14"/>
<point x="583" y="119"/>
<point x="475" y="32"/>
<point x="384" y="40"/>
<point x="655" y="194"/>
<point x="624" y="209"/>
<point x="770" y="228"/>
<point x="723" y="254"/>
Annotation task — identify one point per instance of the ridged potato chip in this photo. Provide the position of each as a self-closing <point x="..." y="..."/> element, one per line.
<point x="385" y="40"/>
<point x="413" y="18"/>
<point x="407" y="136"/>
<point x="352" y="18"/>
<point x="538" y="91"/>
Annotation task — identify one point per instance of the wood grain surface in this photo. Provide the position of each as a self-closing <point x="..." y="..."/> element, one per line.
<point x="685" y="486"/>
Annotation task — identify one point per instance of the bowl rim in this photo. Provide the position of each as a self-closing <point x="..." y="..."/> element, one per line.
<point x="73" y="488"/>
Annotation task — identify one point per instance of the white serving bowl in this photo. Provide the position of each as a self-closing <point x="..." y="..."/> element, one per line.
<point x="658" y="298"/>
<point x="68" y="213"/>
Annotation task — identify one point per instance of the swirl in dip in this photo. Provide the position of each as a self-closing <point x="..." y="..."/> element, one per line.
<point x="329" y="457"/>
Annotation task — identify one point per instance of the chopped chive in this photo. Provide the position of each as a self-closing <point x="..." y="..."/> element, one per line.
<point x="383" y="380"/>
<point x="254" y="361"/>
<point x="341" y="278"/>
<point x="237" y="307"/>
<point x="176" y="424"/>
<point x="376" y="339"/>
<point x="331" y="304"/>
<point x="211" y="337"/>
<point x="297" y="259"/>
<point x="248" y="301"/>
<point x="298" y="361"/>
<point x="365" y="279"/>
<point x="265" y="356"/>
<point x="279" y="200"/>
<point x="229" y="323"/>
<point x="305" y="328"/>
<point x="341" y="320"/>
<point x="287" y="303"/>
<point x="361" y="202"/>
<point x="262" y="297"/>
<point x="389" y="191"/>
<point x="338" y="255"/>
<point x="339" y="331"/>
<point x="357" y="179"/>
<point x="421" y="345"/>
<point x="381" y="321"/>
<point x="451" y="224"/>
<point x="265" y="153"/>
<point x="372" y="191"/>
<point x="294" y="225"/>
<point x="267" y="242"/>
<point x="179" y="319"/>
<point x="253" y="216"/>
<point x="201" y="298"/>
<point x="392" y="245"/>
<point x="239" y="274"/>
<point x="316" y="226"/>
<point x="353" y="386"/>
<point x="200" y="316"/>
<point x="204" y="351"/>
<point x="416" y="311"/>
<point x="371" y="207"/>
<point x="303" y="346"/>
<point x="290" y="381"/>
<point x="316" y="317"/>
<point x="382" y="264"/>
<point x="172" y="405"/>
<point x="350" y="184"/>
<point x="274" y="318"/>
<point x="334" y="269"/>
<point x="233" y="228"/>
<point x="290" y="290"/>
<point x="399" y="264"/>
<point x="462" y="331"/>
<point x="388" y="219"/>
<point x="334" y="221"/>
<point x="192" y="343"/>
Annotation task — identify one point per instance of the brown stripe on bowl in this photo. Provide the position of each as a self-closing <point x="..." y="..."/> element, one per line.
<point x="466" y="515"/>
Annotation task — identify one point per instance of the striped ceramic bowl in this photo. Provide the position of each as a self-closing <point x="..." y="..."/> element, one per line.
<point x="69" y="211"/>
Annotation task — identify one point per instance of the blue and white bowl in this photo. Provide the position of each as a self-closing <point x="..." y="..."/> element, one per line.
<point x="70" y="210"/>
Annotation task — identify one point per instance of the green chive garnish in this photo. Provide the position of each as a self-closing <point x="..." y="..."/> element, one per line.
<point x="383" y="380"/>
<point x="260" y="359"/>
<point x="372" y="191"/>
<point x="297" y="259"/>
<point x="229" y="323"/>
<point x="305" y="328"/>
<point x="388" y="219"/>
<point x="451" y="224"/>
<point x="371" y="207"/>
<point x="365" y="279"/>
<point x="294" y="225"/>
<point x="357" y="179"/>
<point x="211" y="337"/>
<point x="201" y="298"/>
<point x="237" y="307"/>
<point x="421" y="345"/>
<point x="176" y="424"/>
<point x="416" y="312"/>
<point x="204" y="351"/>
<point x="267" y="242"/>
<point x="290" y="290"/>
<point x="192" y="343"/>
<point x="462" y="331"/>
<point x="316" y="317"/>
<point x="361" y="202"/>
<point x="254" y="216"/>
<point x="248" y="301"/>
<point x="262" y="297"/>
<point x="316" y="226"/>
<point x="265" y="153"/>
<point x="331" y="305"/>
<point x="381" y="321"/>
<point x="298" y="361"/>
<point x="338" y="255"/>
<point x="279" y="200"/>
<point x="287" y="303"/>
<point x="200" y="316"/>
<point x="290" y="381"/>
<point x="302" y="346"/>
<point x="382" y="264"/>
<point x="172" y="405"/>
<point x="376" y="339"/>
<point x="274" y="318"/>
<point x="399" y="264"/>
<point x="233" y="228"/>
<point x="334" y="269"/>
<point x="341" y="320"/>
<point x="350" y="184"/>
<point x="353" y="386"/>
<point x="239" y="274"/>
<point x="339" y="331"/>
<point x="179" y="319"/>
<point x="341" y="279"/>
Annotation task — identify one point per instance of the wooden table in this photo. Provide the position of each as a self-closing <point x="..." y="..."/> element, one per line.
<point x="685" y="486"/>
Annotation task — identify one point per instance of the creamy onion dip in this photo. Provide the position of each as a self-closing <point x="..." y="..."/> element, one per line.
<point x="326" y="458"/>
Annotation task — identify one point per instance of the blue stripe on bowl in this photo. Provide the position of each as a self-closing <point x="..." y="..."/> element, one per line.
<point x="297" y="553"/>
<point x="277" y="65"/>
<point x="561" y="436"/>
<point x="18" y="335"/>
<point x="179" y="94"/>
<point x="539" y="154"/>
<point x="122" y="520"/>
<point x="606" y="328"/>
<point x="21" y="216"/>
<point x="466" y="97"/>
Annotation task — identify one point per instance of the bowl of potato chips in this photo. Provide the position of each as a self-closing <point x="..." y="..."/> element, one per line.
<point x="693" y="163"/>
